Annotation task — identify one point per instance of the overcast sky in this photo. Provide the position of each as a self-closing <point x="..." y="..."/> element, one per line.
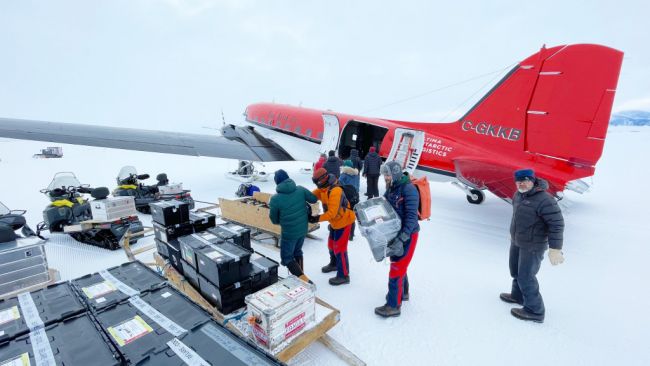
<point x="176" y="64"/>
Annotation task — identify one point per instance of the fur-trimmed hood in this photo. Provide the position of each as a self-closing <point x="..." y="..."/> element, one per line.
<point x="349" y="170"/>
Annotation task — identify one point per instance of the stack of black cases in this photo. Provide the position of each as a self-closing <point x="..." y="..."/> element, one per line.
<point x="143" y="321"/>
<point x="51" y="326"/>
<point x="223" y="272"/>
<point x="171" y="219"/>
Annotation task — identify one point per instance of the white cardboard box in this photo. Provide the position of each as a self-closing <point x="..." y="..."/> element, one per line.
<point x="172" y="188"/>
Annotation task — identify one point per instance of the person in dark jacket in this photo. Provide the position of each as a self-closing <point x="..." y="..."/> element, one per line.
<point x="371" y="166"/>
<point x="288" y="208"/>
<point x="536" y="225"/>
<point x="405" y="199"/>
<point x="350" y="176"/>
<point x="333" y="164"/>
<point x="357" y="163"/>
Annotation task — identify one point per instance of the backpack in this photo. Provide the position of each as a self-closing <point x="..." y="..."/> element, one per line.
<point x="246" y="190"/>
<point x="349" y="195"/>
<point x="424" y="208"/>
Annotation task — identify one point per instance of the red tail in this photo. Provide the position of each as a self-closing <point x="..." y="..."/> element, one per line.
<point x="557" y="101"/>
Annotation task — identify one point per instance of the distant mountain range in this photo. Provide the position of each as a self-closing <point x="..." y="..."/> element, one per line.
<point x="630" y="118"/>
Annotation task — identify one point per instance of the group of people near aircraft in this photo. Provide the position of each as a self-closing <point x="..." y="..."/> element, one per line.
<point x="537" y="224"/>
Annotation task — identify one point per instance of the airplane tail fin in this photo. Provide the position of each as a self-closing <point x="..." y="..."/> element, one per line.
<point x="555" y="104"/>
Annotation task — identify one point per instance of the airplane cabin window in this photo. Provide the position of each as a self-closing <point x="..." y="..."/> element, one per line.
<point x="308" y="132"/>
<point x="297" y="130"/>
<point x="320" y="135"/>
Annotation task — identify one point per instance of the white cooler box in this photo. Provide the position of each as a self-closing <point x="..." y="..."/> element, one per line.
<point x="112" y="208"/>
<point x="282" y="311"/>
<point x="172" y="188"/>
<point x="378" y="223"/>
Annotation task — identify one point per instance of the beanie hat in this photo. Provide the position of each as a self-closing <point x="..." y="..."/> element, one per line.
<point x="348" y="163"/>
<point x="320" y="177"/>
<point x="372" y="149"/>
<point x="393" y="169"/>
<point x="280" y="176"/>
<point x="525" y="174"/>
<point x="331" y="153"/>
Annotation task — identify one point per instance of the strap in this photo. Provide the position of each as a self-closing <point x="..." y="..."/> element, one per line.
<point x="42" y="350"/>
<point x="153" y="314"/>
<point x="30" y="312"/>
<point x="186" y="354"/>
<point x="117" y="283"/>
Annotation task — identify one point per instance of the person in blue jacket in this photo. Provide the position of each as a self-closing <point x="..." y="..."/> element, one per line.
<point x="405" y="199"/>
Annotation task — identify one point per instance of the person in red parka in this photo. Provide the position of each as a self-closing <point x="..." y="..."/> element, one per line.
<point x="319" y="163"/>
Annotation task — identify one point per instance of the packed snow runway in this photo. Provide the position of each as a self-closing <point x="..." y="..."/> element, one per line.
<point x="597" y="301"/>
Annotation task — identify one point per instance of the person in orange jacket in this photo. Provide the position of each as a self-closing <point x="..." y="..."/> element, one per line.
<point x="339" y="214"/>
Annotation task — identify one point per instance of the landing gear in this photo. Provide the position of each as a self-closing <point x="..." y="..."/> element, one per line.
<point x="475" y="197"/>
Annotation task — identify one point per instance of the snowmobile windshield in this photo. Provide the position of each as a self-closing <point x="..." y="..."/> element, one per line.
<point x="63" y="180"/>
<point x="126" y="172"/>
<point x="4" y="210"/>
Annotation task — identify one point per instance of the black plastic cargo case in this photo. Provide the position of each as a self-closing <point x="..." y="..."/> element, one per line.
<point x="202" y="220"/>
<point x="235" y="233"/>
<point x="226" y="299"/>
<point x="137" y="332"/>
<point x="190" y="244"/>
<point x="161" y="247"/>
<point x="99" y="293"/>
<point x="74" y="341"/>
<point x="190" y="274"/>
<point x="209" y="344"/>
<point x="264" y="272"/>
<point x="170" y="233"/>
<point x="53" y="303"/>
<point x="223" y="264"/>
<point x="170" y="212"/>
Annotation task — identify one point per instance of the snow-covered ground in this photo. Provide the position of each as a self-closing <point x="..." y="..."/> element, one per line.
<point x="597" y="301"/>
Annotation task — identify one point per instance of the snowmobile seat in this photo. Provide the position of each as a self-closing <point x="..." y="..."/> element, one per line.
<point x="15" y="222"/>
<point x="162" y="179"/>
<point x="100" y="193"/>
<point x="6" y="233"/>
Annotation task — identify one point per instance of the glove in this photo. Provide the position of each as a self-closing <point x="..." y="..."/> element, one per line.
<point x="396" y="246"/>
<point x="313" y="219"/>
<point x="555" y="256"/>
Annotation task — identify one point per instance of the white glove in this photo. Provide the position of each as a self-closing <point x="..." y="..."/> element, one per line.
<point x="555" y="256"/>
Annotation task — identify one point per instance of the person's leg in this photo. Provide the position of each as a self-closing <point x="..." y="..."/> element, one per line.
<point x="529" y="264"/>
<point x="375" y="186"/>
<point x="513" y="264"/>
<point x="297" y="253"/>
<point x="354" y="225"/>
<point x="331" y="266"/>
<point x="341" y="252"/>
<point x="287" y="248"/>
<point x="397" y="274"/>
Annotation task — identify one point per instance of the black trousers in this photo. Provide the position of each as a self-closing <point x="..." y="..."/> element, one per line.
<point x="372" y="183"/>
<point x="524" y="265"/>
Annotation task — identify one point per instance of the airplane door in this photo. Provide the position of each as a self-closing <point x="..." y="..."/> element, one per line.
<point x="407" y="148"/>
<point x="331" y="130"/>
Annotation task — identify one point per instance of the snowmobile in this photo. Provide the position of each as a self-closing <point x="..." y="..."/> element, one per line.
<point x="69" y="211"/>
<point x="10" y="221"/>
<point x="247" y="172"/>
<point x="128" y="181"/>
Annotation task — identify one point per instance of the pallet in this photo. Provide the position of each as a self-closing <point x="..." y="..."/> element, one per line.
<point x="316" y="333"/>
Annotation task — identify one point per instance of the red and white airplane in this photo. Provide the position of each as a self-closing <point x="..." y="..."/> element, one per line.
<point x="549" y="113"/>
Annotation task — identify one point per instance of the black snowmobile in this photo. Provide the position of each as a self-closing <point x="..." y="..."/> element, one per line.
<point x="10" y="222"/>
<point x="69" y="207"/>
<point x="128" y="181"/>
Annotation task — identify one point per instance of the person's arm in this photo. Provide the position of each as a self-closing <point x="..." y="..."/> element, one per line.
<point x="274" y="212"/>
<point x="551" y="214"/>
<point x="411" y="203"/>
<point x="333" y="203"/>
<point x="309" y="196"/>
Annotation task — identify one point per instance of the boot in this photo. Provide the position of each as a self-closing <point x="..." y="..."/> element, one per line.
<point x="336" y="281"/>
<point x="387" y="311"/>
<point x="331" y="267"/>
<point x="304" y="278"/>
<point x="523" y="314"/>
<point x="506" y="297"/>
<point x="405" y="296"/>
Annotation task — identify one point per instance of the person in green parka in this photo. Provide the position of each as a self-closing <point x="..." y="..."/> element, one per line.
<point x="289" y="210"/>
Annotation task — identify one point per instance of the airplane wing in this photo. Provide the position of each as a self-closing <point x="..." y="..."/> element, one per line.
<point x="242" y="143"/>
